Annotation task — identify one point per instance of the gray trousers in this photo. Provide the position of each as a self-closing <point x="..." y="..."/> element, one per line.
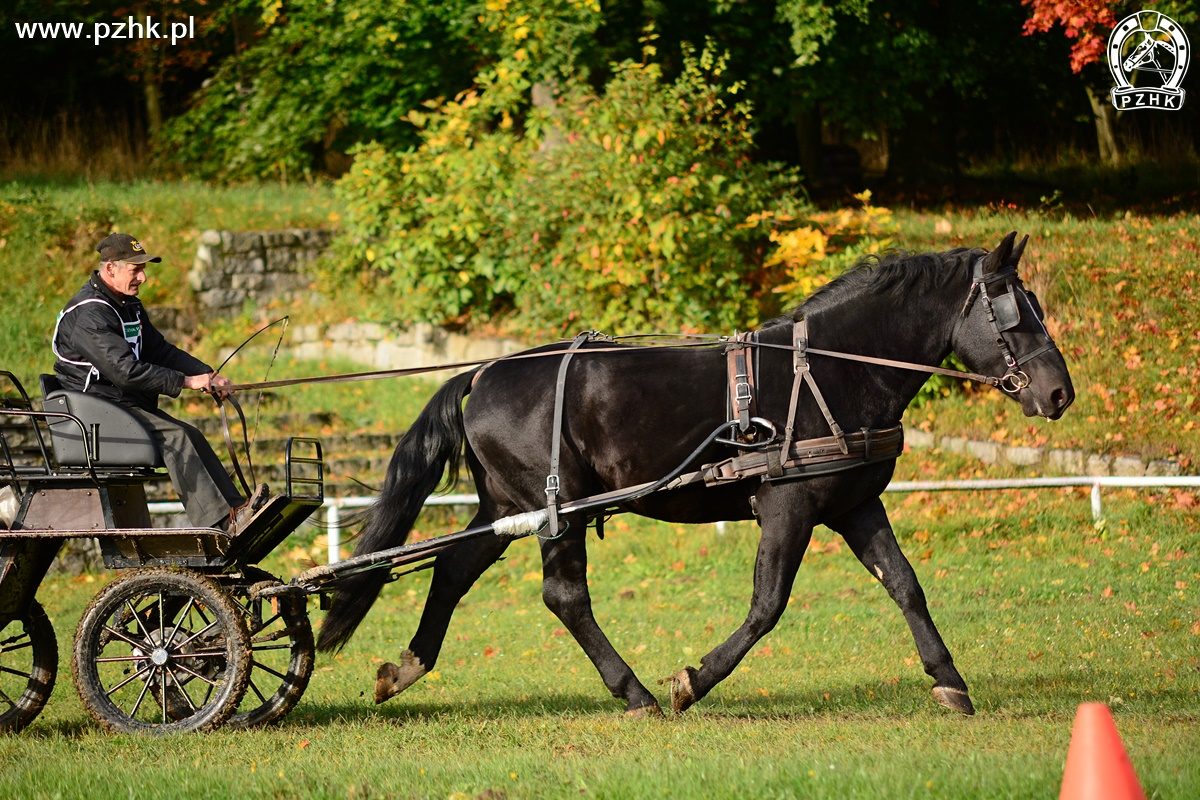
<point x="204" y="486"/>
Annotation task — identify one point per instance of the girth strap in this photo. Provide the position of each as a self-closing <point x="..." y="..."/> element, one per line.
<point x="820" y="456"/>
<point x="560" y="386"/>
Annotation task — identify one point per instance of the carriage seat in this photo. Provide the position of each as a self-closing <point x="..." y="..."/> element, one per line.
<point x="124" y="440"/>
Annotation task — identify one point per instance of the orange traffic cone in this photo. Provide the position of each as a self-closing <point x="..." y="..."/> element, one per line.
<point x="1097" y="765"/>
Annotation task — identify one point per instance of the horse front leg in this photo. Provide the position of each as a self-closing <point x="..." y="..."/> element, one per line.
<point x="870" y="536"/>
<point x="565" y="592"/>
<point x="454" y="572"/>
<point x="786" y="531"/>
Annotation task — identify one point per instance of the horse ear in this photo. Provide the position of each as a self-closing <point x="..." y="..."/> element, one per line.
<point x="999" y="257"/>
<point x="1018" y="251"/>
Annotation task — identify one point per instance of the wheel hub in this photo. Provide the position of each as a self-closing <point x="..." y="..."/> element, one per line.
<point x="159" y="656"/>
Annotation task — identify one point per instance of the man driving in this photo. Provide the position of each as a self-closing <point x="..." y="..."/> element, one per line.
<point x="105" y="344"/>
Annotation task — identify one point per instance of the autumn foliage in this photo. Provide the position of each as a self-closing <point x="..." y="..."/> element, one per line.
<point x="1086" y="22"/>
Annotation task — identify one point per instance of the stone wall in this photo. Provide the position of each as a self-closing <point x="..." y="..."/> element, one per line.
<point x="1048" y="460"/>
<point x="235" y="267"/>
<point x="382" y="346"/>
<point x="232" y="267"/>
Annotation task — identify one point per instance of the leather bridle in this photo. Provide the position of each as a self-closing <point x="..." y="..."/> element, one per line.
<point x="1003" y="313"/>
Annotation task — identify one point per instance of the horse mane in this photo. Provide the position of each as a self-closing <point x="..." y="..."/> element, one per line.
<point x="896" y="272"/>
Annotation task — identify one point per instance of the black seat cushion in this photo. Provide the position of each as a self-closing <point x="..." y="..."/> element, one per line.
<point x="125" y="441"/>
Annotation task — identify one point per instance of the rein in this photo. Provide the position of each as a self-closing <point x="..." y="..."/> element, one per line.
<point x="709" y="341"/>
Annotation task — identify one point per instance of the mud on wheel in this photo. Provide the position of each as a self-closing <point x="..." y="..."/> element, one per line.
<point x="281" y="651"/>
<point x="161" y="651"/>
<point x="28" y="666"/>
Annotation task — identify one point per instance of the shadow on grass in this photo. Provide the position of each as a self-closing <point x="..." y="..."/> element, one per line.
<point x="1051" y="694"/>
<point x="401" y="711"/>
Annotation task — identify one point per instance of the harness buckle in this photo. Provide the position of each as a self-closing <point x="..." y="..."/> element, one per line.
<point x="552" y="485"/>
<point x="742" y="391"/>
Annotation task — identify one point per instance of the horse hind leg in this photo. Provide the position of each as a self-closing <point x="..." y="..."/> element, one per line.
<point x="785" y="535"/>
<point x="870" y="536"/>
<point x="454" y="572"/>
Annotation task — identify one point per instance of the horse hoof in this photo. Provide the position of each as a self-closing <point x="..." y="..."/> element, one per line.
<point x="392" y="679"/>
<point x="651" y="711"/>
<point x="953" y="699"/>
<point x="682" y="694"/>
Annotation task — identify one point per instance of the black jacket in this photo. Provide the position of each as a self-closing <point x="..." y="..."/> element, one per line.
<point x="133" y="364"/>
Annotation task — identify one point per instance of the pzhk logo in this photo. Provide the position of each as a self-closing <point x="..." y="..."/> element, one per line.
<point x="1151" y="49"/>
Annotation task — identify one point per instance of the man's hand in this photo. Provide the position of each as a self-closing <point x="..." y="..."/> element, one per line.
<point x="216" y="385"/>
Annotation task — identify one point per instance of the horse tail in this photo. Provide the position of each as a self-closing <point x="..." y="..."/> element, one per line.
<point x="431" y="448"/>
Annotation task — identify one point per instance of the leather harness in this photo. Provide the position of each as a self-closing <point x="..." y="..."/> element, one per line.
<point x="792" y="459"/>
<point x="772" y="459"/>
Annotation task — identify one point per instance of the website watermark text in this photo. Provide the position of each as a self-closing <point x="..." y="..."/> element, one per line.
<point x="130" y="29"/>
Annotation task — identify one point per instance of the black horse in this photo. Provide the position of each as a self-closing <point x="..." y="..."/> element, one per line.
<point x="631" y="417"/>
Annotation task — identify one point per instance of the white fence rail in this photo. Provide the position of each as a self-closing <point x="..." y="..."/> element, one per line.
<point x="334" y="506"/>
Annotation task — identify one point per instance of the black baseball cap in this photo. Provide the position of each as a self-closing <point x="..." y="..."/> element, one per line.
<point x="123" y="247"/>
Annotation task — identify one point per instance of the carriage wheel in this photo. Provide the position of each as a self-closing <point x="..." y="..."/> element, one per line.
<point x="161" y="651"/>
<point x="28" y="666"/>
<point x="282" y="652"/>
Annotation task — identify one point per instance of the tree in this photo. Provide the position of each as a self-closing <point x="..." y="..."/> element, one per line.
<point x="647" y="212"/>
<point x="1087" y="24"/>
<point x="319" y="77"/>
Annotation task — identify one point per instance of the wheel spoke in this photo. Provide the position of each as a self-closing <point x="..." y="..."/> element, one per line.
<point x="202" y="615"/>
<point x="162" y="698"/>
<point x="186" y="696"/>
<point x="142" y="695"/>
<point x="186" y="610"/>
<point x="4" y="696"/>
<point x="130" y="679"/>
<point x="193" y="674"/>
<point x="203" y="654"/>
<point x="6" y="649"/>
<point x="18" y="637"/>
<point x="200" y="632"/>
<point x="12" y="671"/>
<point x="265" y="668"/>
<point x="263" y="648"/>
<point x="256" y="691"/>
<point x="115" y="659"/>
<point x="138" y="618"/>
<point x="126" y="638"/>
<point x="161" y="630"/>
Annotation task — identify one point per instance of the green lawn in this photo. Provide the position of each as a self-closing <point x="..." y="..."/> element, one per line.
<point x="1042" y="609"/>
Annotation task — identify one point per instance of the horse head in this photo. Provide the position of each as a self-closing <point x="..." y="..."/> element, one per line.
<point x="1001" y="331"/>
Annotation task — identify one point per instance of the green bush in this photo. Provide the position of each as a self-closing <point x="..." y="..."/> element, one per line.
<point x="321" y="77"/>
<point x="631" y="210"/>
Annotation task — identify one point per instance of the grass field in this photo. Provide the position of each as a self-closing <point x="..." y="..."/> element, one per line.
<point x="1041" y="608"/>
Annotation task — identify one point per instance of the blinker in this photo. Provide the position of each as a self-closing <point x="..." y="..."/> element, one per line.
<point x="1005" y="308"/>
